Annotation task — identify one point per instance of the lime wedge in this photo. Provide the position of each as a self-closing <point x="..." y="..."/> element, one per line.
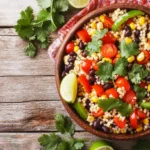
<point x="100" y="145"/>
<point x="80" y="110"/>
<point x="68" y="88"/>
<point x="79" y="3"/>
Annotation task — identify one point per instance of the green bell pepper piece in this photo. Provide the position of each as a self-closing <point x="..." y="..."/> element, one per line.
<point x="145" y="105"/>
<point x="125" y="17"/>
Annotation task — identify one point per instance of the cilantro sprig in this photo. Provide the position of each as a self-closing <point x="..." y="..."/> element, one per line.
<point x="123" y="108"/>
<point x="62" y="141"/>
<point x="96" y="43"/>
<point x="36" y="30"/>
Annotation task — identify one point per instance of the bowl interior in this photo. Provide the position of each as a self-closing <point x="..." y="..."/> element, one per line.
<point x="59" y="67"/>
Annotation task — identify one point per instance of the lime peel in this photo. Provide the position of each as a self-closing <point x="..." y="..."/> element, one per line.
<point x="78" y="3"/>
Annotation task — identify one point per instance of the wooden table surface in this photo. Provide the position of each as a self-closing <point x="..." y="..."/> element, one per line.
<point x="28" y="96"/>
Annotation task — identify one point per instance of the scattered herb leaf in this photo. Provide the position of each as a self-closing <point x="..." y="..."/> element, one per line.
<point x="105" y="71"/>
<point x="128" y="50"/>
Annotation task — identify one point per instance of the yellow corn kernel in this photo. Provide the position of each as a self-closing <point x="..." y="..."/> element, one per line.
<point x="128" y="40"/>
<point x="107" y="59"/>
<point x="148" y="88"/>
<point x="94" y="99"/>
<point x="93" y="25"/>
<point x="146" y="121"/>
<point x="93" y="94"/>
<point x="92" y="32"/>
<point x="123" y="131"/>
<point x="148" y="36"/>
<point x="101" y="18"/>
<point x="118" y="55"/>
<point x="93" y="55"/>
<point x="105" y="116"/>
<point x="139" y="129"/>
<point x="103" y="97"/>
<point x="131" y="59"/>
<point x="132" y="26"/>
<point x="76" y="48"/>
<point x="116" y="36"/>
<point x="90" y="118"/>
<point x="140" y="57"/>
<point x="142" y="20"/>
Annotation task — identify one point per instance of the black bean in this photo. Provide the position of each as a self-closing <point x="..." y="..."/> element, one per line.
<point x="84" y="54"/>
<point x="73" y="54"/>
<point x="137" y="40"/>
<point x="63" y="74"/>
<point x="105" y="129"/>
<point x="108" y="86"/>
<point x="129" y="67"/>
<point x="91" y="80"/>
<point x="71" y="59"/>
<point x="96" y="124"/>
<point x="87" y="106"/>
<point x="137" y="33"/>
<point x="144" y="67"/>
<point x="81" y="45"/>
<point x="128" y="31"/>
<point x="68" y="67"/>
<point x="92" y="72"/>
<point x="147" y="78"/>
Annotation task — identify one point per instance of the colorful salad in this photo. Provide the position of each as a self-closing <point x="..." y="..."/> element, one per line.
<point x="106" y="75"/>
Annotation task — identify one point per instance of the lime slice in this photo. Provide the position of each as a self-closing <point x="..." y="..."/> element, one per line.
<point x="79" y="3"/>
<point x="68" y="88"/>
<point x="100" y="145"/>
<point x="80" y="110"/>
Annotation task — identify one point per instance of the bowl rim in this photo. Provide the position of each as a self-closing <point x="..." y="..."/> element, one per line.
<point x="59" y="62"/>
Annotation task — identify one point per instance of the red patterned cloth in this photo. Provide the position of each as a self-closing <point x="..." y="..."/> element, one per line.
<point x="94" y="4"/>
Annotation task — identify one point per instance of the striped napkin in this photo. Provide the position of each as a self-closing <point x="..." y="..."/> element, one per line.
<point x="94" y="4"/>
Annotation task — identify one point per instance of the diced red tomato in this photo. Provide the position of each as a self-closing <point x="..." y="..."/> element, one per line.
<point x="86" y="65"/>
<point x="98" y="89"/>
<point x="85" y="83"/>
<point x="130" y="97"/>
<point x="112" y="92"/>
<point x="109" y="50"/>
<point x="108" y="22"/>
<point x="115" y="60"/>
<point x="121" y="124"/>
<point x="83" y="35"/>
<point x="123" y="82"/>
<point x="95" y="65"/>
<point x="134" y="120"/>
<point x="109" y="38"/>
<point x="140" y="113"/>
<point x="146" y="54"/>
<point x="143" y="84"/>
<point x="70" y="47"/>
<point x="100" y="112"/>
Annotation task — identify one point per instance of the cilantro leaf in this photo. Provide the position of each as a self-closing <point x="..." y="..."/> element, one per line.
<point x="58" y="19"/>
<point x="140" y="92"/>
<point x="120" y="67"/>
<point x="63" y="146"/>
<point x="61" y="5"/>
<point x="109" y="104"/>
<point x="64" y="124"/>
<point x="93" y="47"/>
<point x="24" y="26"/>
<point x="49" y="142"/>
<point x="128" y="50"/>
<point x="142" y="145"/>
<point x="99" y="34"/>
<point x="30" y="50"/>
<point x="137" y="73"/>
<point x="44" y="3"/>
<point x="78" y="145"/>
<point x="105" y="71"/>
<point x="123" y="108"/>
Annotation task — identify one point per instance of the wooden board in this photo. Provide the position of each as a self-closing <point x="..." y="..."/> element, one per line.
<point x="28" y="141"/>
